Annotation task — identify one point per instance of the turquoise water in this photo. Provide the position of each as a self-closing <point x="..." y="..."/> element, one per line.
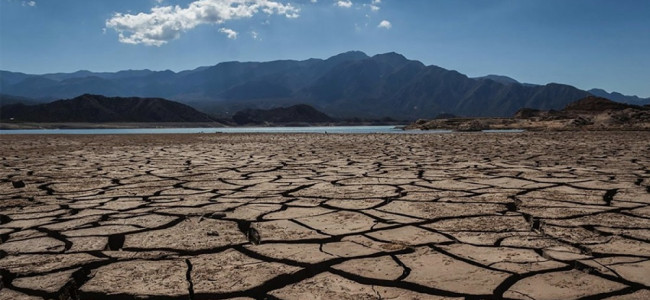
<point x="323" y="129"/>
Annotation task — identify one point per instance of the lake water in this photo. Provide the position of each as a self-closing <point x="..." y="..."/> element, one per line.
<point x="323" y="129"/>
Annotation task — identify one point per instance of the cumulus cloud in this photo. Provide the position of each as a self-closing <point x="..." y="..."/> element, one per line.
<point x="376" y="1"/>
<point x="29" y="3"/>
<point x="385" y="24"/>
<point x="344" y="3"/>
<point x="166" y="23"/>
<point x="231" y="34"/>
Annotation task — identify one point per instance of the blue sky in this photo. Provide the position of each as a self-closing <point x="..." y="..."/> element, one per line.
<point x="585" y="43"/>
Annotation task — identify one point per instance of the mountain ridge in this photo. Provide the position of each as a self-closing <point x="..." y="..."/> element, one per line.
<point x="97" y="108"/>
<point x="618" y="97"/>
<point x="350" y="84"/>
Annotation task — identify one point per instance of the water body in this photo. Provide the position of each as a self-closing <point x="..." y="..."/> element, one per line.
<point x="503" y="130"/>
<point x="323" y="129"/>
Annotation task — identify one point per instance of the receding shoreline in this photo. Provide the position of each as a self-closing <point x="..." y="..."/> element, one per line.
<point x="32" y="125"/>
<point x="481" y="124"/>
<point x="119" y="125"/>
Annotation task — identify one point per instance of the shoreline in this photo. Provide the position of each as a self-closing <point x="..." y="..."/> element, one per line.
<point x="489" y="126"/>
<point x="162" y="125"/>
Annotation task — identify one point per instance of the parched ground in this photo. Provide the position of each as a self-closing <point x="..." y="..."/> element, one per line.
<point x="429" y="216"/>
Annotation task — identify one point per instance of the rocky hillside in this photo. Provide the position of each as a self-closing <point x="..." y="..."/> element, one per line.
<point x="294" y="114"/>
<point x="595" y="104"/>
<point x="94" y="108"/>
<point x="589" y="113"/>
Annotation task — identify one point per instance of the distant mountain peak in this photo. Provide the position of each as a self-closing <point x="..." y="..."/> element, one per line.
<point x="348" y="56"/>
<point x="597" y="91"/>
<point x="391" y="58"/>
<point x="391" y="55"/>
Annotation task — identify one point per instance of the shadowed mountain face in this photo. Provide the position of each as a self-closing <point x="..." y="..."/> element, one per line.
<point x="9" y="99"/>
<point x="93" y="108"/>
<point x="346" y="85"/>
<point x="298" y="113"/>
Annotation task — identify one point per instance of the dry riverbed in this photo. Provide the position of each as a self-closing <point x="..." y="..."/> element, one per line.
<point x="312" y="216"/>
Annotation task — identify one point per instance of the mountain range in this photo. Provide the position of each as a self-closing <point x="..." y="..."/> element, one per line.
<point x="347" y="85"/>
<point x="618" y="97"/>
<point x="614" y="96"/>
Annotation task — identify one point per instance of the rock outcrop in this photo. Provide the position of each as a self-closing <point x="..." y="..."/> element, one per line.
<point x="589" y="113"/>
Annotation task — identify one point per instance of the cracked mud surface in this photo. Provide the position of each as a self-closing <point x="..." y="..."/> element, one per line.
<point x="520" y="216"/>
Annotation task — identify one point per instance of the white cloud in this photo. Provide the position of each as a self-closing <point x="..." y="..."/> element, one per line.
<point x="29" y="3"/>
<point x="373" y="5"/>
<point x="231" y="34"/>
<point x="385" y="24"/>
<point x="255" y="35"/>
<point x="166" y="23"/>
<point x="344" y="3"/>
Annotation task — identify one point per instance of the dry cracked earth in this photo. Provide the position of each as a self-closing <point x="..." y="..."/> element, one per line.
<point x="213" y="216"/>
